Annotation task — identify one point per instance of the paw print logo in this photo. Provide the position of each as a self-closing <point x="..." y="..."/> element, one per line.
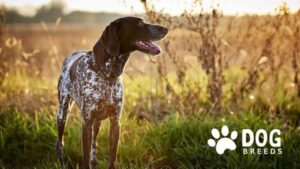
<point x="222" y="142"/>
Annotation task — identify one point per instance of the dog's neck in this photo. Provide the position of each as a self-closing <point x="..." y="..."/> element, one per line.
<point x="110" y="67"/>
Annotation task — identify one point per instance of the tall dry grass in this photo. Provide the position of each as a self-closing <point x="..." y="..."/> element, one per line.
<point x="215" y="69"/>
<point x="212" y="64"/>
<point x="245" y="59"/>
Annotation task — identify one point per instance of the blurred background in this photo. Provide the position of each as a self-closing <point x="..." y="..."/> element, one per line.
<point x="228" y="62"/>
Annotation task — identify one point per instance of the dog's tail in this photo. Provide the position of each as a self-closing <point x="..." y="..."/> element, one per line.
<point x="58" y="88"/>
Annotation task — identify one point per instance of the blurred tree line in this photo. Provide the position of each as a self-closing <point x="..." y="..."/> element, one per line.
<point x="54" y="10"/>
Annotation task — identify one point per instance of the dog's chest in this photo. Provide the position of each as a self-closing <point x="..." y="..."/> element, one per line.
<point x="91" y="90"/>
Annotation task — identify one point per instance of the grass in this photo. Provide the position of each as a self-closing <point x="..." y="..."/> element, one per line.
<point x="177" y="142"/>
<point x="169" y="108"/>
<point x="27" y="139"/>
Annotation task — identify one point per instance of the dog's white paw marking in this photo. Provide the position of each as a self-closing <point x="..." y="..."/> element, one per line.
<point x="222" y="142"/>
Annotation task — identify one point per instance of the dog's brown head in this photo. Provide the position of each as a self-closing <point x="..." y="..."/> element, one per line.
<point x="128" y="34"/>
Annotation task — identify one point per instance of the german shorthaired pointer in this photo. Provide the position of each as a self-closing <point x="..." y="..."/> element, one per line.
<point x="92" y="79"/>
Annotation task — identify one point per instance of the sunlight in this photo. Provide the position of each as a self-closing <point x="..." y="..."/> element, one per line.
<point x="174" y="7"/>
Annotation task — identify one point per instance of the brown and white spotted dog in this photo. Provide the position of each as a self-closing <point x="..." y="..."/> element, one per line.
<point x="92" y="79"/>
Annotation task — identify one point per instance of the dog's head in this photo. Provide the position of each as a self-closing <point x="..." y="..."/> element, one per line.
<point x="128" y="34"/>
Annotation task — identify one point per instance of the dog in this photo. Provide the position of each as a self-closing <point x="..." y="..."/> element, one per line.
<point x="92" y="79"/>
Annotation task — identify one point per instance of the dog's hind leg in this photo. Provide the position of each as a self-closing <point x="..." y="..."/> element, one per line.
<point x="61" y="121"/>
<point x="96" y="127"/>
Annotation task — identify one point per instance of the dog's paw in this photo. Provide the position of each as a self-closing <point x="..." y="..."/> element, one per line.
<point x="94" y="163"/>
<point x="112" y="167"/>
<point x="59" y="153"/>
<point x="59" y="148"/>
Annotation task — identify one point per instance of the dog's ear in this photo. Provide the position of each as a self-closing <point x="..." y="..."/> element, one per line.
<point x="110" y="40"/>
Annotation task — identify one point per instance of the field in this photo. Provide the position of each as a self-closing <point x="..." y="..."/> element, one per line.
<point x="215" y="70"/>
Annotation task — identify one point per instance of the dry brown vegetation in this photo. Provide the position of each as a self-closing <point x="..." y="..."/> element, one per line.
<point x="240" y="70"/>
<point x="243" y="58"/>
<point x="211" y="63"/>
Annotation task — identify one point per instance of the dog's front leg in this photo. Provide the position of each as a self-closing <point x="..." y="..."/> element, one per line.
<point x="96" y="127"/>
<point x="86" y="143"/>
<point x="113" y="140"/>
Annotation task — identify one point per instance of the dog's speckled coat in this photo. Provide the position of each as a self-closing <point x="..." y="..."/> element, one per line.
<point x="88" y="87"/>
<point x="92" y="79"/>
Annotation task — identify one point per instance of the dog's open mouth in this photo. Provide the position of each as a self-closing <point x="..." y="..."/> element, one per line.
<point x="148" y="47"/>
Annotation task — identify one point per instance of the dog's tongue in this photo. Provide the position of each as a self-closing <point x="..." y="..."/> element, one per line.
<point x="152" y="46"/>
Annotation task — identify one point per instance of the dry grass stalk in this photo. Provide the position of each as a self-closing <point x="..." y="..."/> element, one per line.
<point x="3" y="67"/>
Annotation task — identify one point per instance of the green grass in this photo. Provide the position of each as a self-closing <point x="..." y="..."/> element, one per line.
<point x="171" y="140"/>
<point x="177" y="142"/>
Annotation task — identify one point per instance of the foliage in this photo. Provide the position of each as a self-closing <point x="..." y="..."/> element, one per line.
<point x="177" y="142"/>
<point x="215" y="69"/>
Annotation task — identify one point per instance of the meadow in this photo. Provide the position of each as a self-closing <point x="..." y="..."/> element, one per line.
<point x="242" y="71"/>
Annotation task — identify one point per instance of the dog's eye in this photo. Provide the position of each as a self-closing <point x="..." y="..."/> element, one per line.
<point x="141" y="23"/>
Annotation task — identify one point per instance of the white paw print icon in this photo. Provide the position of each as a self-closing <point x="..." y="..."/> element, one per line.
<point x="222" y="143"/>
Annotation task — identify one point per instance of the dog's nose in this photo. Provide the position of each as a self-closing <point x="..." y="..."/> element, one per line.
<point x="165" y="30"/>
